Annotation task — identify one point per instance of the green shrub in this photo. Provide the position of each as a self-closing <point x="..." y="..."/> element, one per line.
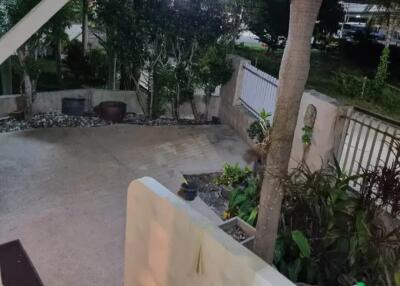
<point x="98" y="69"/>
<point x="233" y="175"/>
<point x="244" y="200"/>
<point x="350" y="85"/>
<point x="382" y="74"/>
<point x="259" y="130"/>
<point x="76" y="61"/>
<point x="343" y="230"/>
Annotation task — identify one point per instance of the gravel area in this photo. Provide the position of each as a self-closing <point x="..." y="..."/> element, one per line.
<point x="52" y="119"/>
<point x="215" y="196"/>
<point x="237" y="233"/>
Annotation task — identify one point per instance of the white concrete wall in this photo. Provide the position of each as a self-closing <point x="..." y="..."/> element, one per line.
<point x="169" y="244"/>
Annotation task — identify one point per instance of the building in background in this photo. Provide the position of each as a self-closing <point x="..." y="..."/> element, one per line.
<point x="363" y="18"/>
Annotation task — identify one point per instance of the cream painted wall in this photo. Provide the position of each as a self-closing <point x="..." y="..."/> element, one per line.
<point x="170" y="244"/>
<point x="327" y="133"/>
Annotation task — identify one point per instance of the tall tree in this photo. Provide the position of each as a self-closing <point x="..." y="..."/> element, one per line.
<point x="27" y="53"/>
<point x="269" y="19"/>
<point x="212" y="22"/>
<point x="56" y="34"/>
<point x="85" y="25"/>
<point x="293" y="75"/>
<point x="6" y="67"/>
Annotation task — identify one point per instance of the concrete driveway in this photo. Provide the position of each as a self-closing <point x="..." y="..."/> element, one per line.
<point x="63" y="191"/>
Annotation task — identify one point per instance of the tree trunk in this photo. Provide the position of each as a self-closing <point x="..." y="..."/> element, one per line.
<point x="293" y="75"/>
<point x="112" y="71"/>
<point x="85" y="26"/>
<point x="150" y="105"/>
<point x="194" y="109"/>
<point x="6" y="77"/>
<point x="27" y="83"/>
<point x="207" y="100"/>
<point x="58" y="59"/>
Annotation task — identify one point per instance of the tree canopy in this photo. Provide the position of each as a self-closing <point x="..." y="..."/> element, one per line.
<point x="269" y="19"/>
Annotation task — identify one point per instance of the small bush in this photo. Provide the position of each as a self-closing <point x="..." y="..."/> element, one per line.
<point x="260" y="130"/>
<point x="244" y="200"/>
<point x="76" y="61"/>
<point x="350" y="85"/>
<point x="341" y="236"/>
<point x="233" y="175"/>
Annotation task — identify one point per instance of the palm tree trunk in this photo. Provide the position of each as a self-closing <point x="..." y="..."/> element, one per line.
<point x="293" y="75"/>
<point x="207" y="100"/>
<point x="112" y="70"/>
<point x="58" y="59"/>
<point x="151" y="93"/>
<point x="27" y="83"/>
<point x="85" y="26"/>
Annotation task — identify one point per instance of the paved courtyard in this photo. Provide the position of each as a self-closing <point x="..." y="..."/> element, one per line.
<point x="63" y="191"/>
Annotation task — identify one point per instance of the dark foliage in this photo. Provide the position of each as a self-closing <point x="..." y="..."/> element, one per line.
<point x="382" y="185"/>
<point x="347" y="233"/>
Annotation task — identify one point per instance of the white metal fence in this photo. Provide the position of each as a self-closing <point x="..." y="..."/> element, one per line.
<point x="367" y="142"/>
<point x="259" y="91"/>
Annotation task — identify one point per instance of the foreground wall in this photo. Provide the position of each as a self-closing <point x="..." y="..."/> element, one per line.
<point x="169" y="244"/>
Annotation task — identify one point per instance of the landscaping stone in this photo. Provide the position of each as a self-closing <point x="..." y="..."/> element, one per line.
<point x="237" y="233"/>
<point x="53" y="119"/>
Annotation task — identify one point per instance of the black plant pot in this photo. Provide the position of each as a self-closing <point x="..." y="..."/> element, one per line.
<point x="73" y="106"/>
<point x="188" y="192"/>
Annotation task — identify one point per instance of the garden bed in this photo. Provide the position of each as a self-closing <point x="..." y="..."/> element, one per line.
<point x="52" y="119"/>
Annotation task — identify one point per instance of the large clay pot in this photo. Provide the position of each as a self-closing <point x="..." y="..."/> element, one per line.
<point x="112" y="111"/>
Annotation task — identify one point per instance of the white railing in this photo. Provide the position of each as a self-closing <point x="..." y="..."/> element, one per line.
<point x="259" y="91"/>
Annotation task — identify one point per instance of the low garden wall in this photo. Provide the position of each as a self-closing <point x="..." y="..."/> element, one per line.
<point x="169" y="243"/>
<point x="327" y="130"/>
<point x="52" y="101"/>
<point x="231" y="111"/>
<point x="326" y="134"/>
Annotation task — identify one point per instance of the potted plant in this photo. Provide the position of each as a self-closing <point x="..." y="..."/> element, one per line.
<point x="188" y="191"/>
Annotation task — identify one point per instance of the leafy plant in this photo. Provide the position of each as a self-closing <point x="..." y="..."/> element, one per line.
<point x="351" y="85"/>
<point x="214" y="70"/>
<point x="76" y="61"/>
<point x="348" y="239"/>
<point x="296" y="245"/>
<point x="260" y="129"/>
<point x="233" y="175"/>
<point x="307" y="135"/>
<point x="382" y="185"/>
<point x="244" y="200"/>
<point x="382" y="74"/>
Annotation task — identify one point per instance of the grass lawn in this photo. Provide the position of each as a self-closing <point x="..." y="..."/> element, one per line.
<point x="322" y="79"/>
